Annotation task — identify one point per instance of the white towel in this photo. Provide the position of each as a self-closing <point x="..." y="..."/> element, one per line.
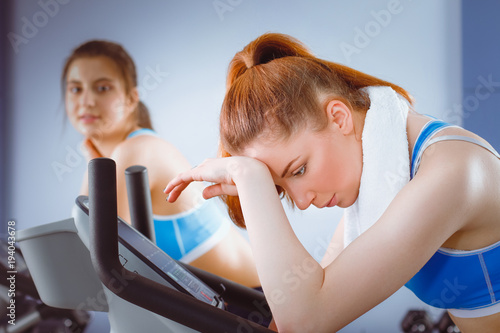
<point x="386" y="161"/>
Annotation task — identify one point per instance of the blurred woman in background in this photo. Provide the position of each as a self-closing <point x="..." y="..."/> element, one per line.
<point x="99" y="81"/>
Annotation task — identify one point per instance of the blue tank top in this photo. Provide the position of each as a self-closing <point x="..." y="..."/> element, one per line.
<point x="142" y="131"/>
<point x="467" y="283"/>
<point x="190" y="234"/>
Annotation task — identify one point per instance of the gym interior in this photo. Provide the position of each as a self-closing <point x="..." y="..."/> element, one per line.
<point x="444" y="52"/>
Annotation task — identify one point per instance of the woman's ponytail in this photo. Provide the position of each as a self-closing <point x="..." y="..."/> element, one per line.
<point x="276" y="86"/>
<point x="262" y="50"/>
<point x="143" y="117"/>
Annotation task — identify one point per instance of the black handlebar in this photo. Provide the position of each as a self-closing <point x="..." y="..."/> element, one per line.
<point x="139" y="201"/>
<point x="137" y="289"/>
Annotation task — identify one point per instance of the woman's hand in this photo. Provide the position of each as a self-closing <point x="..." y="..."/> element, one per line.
<point x="224" y="173"/>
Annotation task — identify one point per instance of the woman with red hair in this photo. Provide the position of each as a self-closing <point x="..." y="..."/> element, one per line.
<point x="421" y="197"/>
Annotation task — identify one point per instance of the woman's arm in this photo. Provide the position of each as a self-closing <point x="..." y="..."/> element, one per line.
<point x="162" y="161"/>
<point x="299" y="291"/>
<point x="336" y="245"/>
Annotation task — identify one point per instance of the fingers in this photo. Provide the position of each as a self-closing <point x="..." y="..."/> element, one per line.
<point x="219" y="189"/>
<point x="181" y="179"/>
<point x="175" y="187"/>
<point x="173" y="194"/>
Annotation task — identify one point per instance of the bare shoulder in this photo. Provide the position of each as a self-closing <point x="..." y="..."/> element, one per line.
<point x="161" y="158"/>
<point x="450" y="193"/>
<point x="468" y="176"/>
<point x="466" y="164"/>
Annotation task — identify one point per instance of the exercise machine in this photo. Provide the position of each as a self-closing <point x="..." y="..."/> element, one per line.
<point x="97" y="262"/>
<point x="419" y="321"/>
<point x="29" y="314"/>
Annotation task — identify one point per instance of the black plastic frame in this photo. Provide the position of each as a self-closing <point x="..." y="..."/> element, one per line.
<point x="141" y="291"/>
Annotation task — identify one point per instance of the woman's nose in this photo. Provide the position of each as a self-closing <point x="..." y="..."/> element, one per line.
<point x="302" y="198"/>
<point x="87" y="99"/>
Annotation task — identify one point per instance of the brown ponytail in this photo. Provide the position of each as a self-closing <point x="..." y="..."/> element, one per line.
<point x="143" y="118"/>
<point x="276" y="86"/>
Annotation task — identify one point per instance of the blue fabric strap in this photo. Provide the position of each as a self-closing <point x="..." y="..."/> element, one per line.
<point x="426" y="133"/>
<point x="142" y="131"/>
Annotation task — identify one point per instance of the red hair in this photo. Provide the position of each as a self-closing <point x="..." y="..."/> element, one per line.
<point x="276" y="86"/>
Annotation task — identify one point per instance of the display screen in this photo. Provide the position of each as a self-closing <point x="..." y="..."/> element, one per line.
<point x="146" y="251"/>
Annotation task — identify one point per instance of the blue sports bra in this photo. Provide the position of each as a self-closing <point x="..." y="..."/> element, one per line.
<point x="467" y="283"/>
<point x="142" y="131"/>
<point x="190" y="234"/>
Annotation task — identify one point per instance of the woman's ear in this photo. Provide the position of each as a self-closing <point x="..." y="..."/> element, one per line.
<point x="133" y="98"/>
<point x="340" y="116"/>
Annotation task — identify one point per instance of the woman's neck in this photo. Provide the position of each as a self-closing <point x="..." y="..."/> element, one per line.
<point x="108" y="142"/>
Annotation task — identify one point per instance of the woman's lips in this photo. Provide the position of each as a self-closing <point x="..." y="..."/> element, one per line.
<point x="88" y="119"/>
<point x="332" y="202"/>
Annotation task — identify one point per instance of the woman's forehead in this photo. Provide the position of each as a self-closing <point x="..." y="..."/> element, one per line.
<point x="93" y="67"/>
<point x="275" y="148"/>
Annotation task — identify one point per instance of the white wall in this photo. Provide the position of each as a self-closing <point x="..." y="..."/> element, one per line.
<point x="188" y="44"/>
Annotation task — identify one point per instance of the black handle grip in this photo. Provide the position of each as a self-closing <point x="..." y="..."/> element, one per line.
<point x="139" y="201"/>
<point x="103" y="216"/>
<point x="134" y="288"/>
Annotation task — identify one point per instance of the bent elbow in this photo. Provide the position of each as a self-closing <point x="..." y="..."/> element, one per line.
<point x="297" y="324"/>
